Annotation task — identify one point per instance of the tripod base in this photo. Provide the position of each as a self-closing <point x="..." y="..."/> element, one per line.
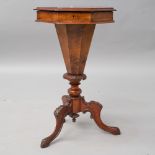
<point x="72" y="106"/>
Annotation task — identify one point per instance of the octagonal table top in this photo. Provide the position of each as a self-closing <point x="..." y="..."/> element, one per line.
<point x="75" y="15"/>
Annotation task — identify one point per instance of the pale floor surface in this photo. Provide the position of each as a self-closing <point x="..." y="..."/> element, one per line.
<point x="27" y="102"/>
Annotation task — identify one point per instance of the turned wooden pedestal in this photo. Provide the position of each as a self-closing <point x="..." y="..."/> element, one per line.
<point x="75" y="28"/>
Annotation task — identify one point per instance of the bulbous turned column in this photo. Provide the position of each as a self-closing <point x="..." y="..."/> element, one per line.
<point x="74" y="90"/>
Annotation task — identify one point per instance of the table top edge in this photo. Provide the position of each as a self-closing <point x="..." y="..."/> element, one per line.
<point x="78" y="9"/>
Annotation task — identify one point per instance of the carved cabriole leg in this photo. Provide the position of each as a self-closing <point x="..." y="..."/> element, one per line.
<point x="60" y="113"/>
<point x="95" y="109"/>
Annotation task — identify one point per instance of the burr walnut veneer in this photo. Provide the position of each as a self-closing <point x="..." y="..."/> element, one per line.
<point x="75" y="28"/>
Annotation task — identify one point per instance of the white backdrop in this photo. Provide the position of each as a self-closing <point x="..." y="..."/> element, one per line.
<point x="121" y="66"/>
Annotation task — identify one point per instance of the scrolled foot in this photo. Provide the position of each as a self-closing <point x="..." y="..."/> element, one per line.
<point x="114" y="130"/>
<point x="60" y="113"/>
<point x="45" y="142"/>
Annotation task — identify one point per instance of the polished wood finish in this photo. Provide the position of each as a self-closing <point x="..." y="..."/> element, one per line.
<point x="75" y="15"/>
<point x="75" y="41"/>
<point x="75" y="28"/>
